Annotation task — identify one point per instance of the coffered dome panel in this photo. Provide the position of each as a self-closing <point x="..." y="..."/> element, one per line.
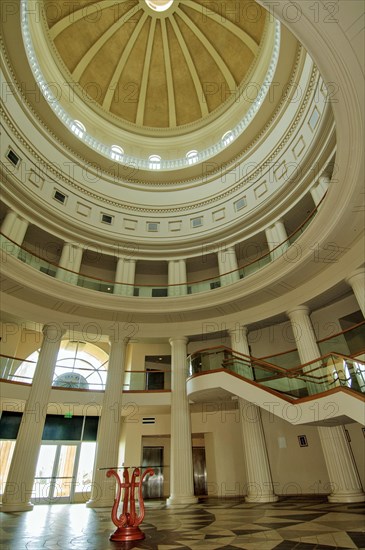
<point x="157" y="69"/>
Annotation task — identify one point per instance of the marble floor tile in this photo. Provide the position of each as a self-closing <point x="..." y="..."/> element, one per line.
<point x="213" y="524"/>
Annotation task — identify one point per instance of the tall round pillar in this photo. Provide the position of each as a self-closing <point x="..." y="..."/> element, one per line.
<point x="239" y="343"/>
<point x="70" y="263"/>
<point x="14" y="228"/>
<point x="307" y="347"/>
<point x="276" y="237"/>
<point x="357" y="283"/>
<point x="343" y="474"/>
<point x="181" y="481"/>
<point x="177" y="278"/>
<point x="341" y="468"/>
<point x="259" y="482"/>
<point x="124" y="276"/>
<point x="108" y="437"/>
<point x="228" y="265"/>
<point x="319" y="189"/>
<point x="19" y="485"/>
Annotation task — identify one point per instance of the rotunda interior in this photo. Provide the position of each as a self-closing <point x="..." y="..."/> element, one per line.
<point x="182" y="230"/>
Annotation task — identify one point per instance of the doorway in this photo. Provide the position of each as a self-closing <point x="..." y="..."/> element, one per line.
<point x="155" y="380"/>
<point x="199" y="471"/>
<point x="152" y="457"/>
<point x="56" y="473"/>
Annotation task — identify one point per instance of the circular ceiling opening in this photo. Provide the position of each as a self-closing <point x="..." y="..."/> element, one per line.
<point x="159" y="5"/>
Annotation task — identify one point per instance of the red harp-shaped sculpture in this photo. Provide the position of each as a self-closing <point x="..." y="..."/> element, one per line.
<point x="128" y="521"/>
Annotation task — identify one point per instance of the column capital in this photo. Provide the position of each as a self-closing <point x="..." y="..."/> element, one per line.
<point x="243" y="329"/>
<point x="53" y="332"/>
<point x="324" y="178"/>
<point x="298" y="309"/>
<point x="357" y="273"/>
<point x="126" y="258"/>
<point x="175" y="339"/>
<point x="115" y="339"/>
<point x="121" y="334"/>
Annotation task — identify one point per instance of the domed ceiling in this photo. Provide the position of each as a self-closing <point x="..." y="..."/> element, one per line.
<point x="155" y="63"/>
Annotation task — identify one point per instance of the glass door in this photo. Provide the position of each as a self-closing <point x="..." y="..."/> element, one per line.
<point x="55" y="473"/>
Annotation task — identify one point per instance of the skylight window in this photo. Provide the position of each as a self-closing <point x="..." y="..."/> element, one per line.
<point x="192" y="156"/>
<point x="227" y="138"/>
<point x="78" y="128"/>
<point x="116" y="152"/>
<point x="159" y="5"/>
<point x="154" y="162"/>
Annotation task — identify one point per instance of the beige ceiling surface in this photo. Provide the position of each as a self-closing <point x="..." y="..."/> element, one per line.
<point x="157" y="70"/>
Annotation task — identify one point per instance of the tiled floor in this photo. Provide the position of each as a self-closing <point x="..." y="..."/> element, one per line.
<point x="291" y="523"/>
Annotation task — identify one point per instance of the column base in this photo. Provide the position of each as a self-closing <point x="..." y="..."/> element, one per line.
<point x="181" y="501"/>
<point x="16" y="507"/>
<point x="347" y="497"/>
<point x="262" y="499"/>
<point x="100" y="503"/>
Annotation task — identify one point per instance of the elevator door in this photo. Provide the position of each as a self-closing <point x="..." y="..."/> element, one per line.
<point x="200" y="472"/>
<point x="152" y="457"/>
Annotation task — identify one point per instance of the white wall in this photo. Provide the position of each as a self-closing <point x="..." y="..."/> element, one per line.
<point x="294" y="469"/>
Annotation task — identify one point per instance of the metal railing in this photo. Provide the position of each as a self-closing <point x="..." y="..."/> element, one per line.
<point x="52" y="269"/>
<point x="79" y="378"/>
<point x="320" y="375"/>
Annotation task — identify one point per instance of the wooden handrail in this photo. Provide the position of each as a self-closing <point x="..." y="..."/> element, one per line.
<point x="274" y="368"/>
<point x="106" y="281"/>
<point x="277" y="393"/>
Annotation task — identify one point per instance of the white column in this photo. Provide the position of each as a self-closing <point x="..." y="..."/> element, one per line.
<point x="14" y="228"/>
<point x="345" y="480"/>
<point x="227" y="265"/>
<point x="259" y="482"/>
<point x="20" y="481"/>
<point x="276" y="235"/>
<point x="307" y="347"/>
<point x="125" y="273"/>
<point x="181" y="481"/>
<point x="319" y="189"/>
<point x="108" y="438"/>
<point x="343" y="475"/>
<point x="239" y="343"/>
<point x="357" y="283"/>
<point x="177" y="276"/>
<point x="69" y="264"/>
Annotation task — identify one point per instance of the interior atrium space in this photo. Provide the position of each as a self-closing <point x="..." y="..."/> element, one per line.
<point x="182" y="273"/>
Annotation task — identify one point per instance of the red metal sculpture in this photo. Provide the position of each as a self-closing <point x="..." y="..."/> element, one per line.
<point x="128" y="522"/>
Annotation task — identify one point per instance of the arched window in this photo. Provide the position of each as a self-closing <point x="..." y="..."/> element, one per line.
<point x="228" y="137"/>
<point x="154" y="162"/>
<point x="78" y="128"/>
<point x="79" y="365"/>
<point x="116" y="152"/>
<point x="192" y="156"/>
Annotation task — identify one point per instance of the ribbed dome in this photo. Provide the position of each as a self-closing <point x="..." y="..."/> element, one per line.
<point x="157" y="69"/>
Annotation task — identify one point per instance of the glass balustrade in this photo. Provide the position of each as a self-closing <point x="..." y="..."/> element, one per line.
<point x="149" y="291"/>
<point x="348" y="342"/>
<point x="323" y="374"/>
<point x="17" y="370"/>
<point x="81" y="378"/>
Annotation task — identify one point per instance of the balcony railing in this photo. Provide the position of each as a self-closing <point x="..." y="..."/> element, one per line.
<point x="84" y="378"/>
<point x="350" y="341"/>
<point x="323" y="374"/>
<point x="52" y="269"/>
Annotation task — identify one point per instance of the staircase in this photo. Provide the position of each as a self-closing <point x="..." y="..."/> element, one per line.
<point x="328" y="391"/>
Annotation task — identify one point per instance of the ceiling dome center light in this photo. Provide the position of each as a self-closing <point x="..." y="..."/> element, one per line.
<point x="159" y="5"/>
